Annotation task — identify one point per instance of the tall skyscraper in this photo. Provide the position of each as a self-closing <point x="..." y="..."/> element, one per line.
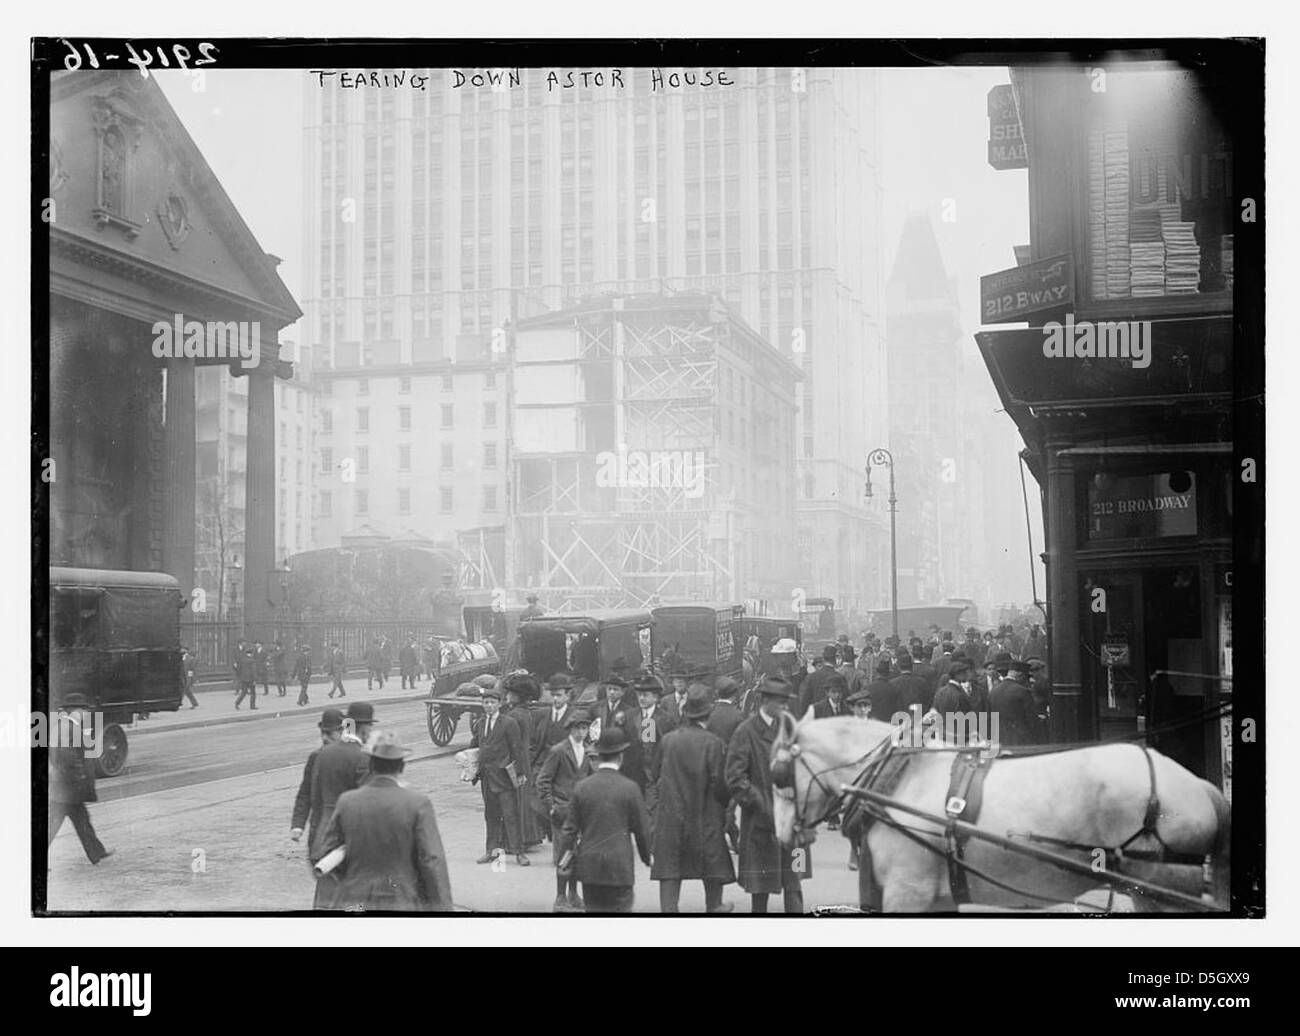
<point x="434" y="216"/>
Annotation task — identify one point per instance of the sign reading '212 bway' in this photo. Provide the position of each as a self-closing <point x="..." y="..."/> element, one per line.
<point x="1015" y="293"/>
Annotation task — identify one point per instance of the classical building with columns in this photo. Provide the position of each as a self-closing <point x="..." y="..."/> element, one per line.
<point x="141" y="236"/>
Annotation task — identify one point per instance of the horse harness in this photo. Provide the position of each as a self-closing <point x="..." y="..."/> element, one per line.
<point x="963" y="801"/>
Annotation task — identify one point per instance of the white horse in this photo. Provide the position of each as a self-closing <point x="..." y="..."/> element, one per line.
<point x="1094" y="798"/>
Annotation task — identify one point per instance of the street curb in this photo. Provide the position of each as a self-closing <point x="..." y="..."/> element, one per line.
<point x="248" y="717"/>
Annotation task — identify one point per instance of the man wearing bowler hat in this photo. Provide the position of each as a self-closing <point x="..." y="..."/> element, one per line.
<point x="620" y="710"/>
<point x="550" y="725"/>
<point x="503" y="769"/>
<point x="394" y="858"/>
<point x="331" y="729"/>
<point x="671" y="703"/>
<point x="693" y="798"/>
<point x="766" y="866"/>
<point x="340" y="766"/>
<point x="606" y="814"/>
<point x="565" y="764"/>
<point x="1013" y="702"/>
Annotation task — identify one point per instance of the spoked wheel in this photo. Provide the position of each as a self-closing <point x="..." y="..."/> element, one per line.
<point x="442" y="724"/>
<point x="113" y="758"/>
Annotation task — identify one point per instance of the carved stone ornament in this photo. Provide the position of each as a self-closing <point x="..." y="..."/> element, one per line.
<point x="174" y="218"/>
<point x="118" y="131"/>
<point x="58" y="170"/>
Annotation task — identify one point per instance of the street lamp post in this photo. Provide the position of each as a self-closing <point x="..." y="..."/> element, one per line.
<point x="881" y="457"/>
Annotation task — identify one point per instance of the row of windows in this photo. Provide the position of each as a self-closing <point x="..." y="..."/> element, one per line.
<point x="361" y="458"/>
<point x="447" y="415"/>
<point x="361" y="501"/>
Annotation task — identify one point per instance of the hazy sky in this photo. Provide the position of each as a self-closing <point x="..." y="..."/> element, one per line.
<point x="934" y="134"/>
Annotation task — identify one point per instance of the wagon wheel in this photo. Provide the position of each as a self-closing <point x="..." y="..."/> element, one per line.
<point x="113" y="759"/>
<point x="442" y="724"/>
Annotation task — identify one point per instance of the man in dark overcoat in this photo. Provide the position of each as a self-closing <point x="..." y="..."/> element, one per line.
<point x="302" y="672"/>
<point x="692" y="797"/>
<point x="304" y="817"/>
<point x="726" y="715"/>
<point x="246" y="675"/>
<point x="1013" y="702"/>
<point x="72" y="784"/>
<point x="606" y="815"/>
<point x="766" y="866"/>
<point x="620" y="709"/>
<point x="338" y="669"/>
<point x="565" y="764"/>
<point x="550" y="724"/>
<point x="340" y="766"/>
<point x="394" y="856"/>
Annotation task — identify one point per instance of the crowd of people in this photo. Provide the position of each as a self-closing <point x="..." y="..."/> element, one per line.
<point x="675" y="774"/>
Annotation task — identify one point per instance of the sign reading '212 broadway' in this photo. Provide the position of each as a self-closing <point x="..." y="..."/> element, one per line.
<point x="1015" y="293"/>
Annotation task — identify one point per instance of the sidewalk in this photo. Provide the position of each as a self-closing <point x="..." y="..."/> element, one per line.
<point x="217" y="703"/>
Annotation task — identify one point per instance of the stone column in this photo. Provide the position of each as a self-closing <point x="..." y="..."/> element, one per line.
<point x="259" y="497"/>
<point x="178" y="474"/>
<point x="1071" y="715"/>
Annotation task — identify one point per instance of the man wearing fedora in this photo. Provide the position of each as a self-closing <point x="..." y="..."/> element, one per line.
<point x="692" y="797"/>
<point x="503" y="766"/>
<point x="72" y="784"/>
<point x="766" y="866"/>
<point x="1017" y="711"/>
<point x="394" y="857"/>
<point x="606" y="814"/>
<point x="533" y="611"/>
<point x="331" y="729"/>
<point x="565" y="764"/>
<point x="726" y="715"/>
<point x="340" y="767"/>
<point x="642" y="761"/>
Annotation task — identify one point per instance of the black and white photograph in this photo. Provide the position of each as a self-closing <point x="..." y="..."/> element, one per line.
<point x="634" y="477"/>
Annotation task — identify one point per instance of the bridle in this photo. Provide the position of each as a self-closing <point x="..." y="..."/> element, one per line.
<point x="789" y="754"/>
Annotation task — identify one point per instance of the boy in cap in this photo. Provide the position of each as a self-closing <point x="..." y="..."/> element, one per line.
<point x="565" y="764"/>
<point x="606" y="814"/>
<point x="395" y="859"/>
<point x="502" y="772"/>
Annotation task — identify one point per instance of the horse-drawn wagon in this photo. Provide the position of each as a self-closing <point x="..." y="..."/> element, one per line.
<point x="591" y="646"/>
<point x="761" y="633"/>
<point x="703" y="636"/>
<point x="444" y="706"/>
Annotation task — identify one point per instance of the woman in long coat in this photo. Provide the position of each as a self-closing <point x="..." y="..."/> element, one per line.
<point x="765" y="865"/>
<point x="519" y="693"/>
<point x="689" y="840"/>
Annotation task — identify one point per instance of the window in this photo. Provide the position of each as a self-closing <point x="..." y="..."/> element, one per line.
<point x="362" y="502"/>
<point x="489" y="498"/>
<point x="404" y="457"/>
<point x="326" y="459"/>
<point x="363" y="419"/>
<point x="445" y="499"/>
<point x="327" y="420"/>
<point x="448" y="457"/>
<point x="363" y="460"/>
<point x="404" y="383"/>
<point x="326" y="503"/>
<point x="448" y="415"/>
<point x="404" y="418"/>
<point x="489" y="415"/>
<point x="490" y="380"/>
<point x="403" y="501"/>
<point x="363" y="386"/>
<point x="447" y="383"/>
<point x="489" y="455"/>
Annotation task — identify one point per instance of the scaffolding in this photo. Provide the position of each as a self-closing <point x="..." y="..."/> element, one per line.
<point x="632" y="516"/>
